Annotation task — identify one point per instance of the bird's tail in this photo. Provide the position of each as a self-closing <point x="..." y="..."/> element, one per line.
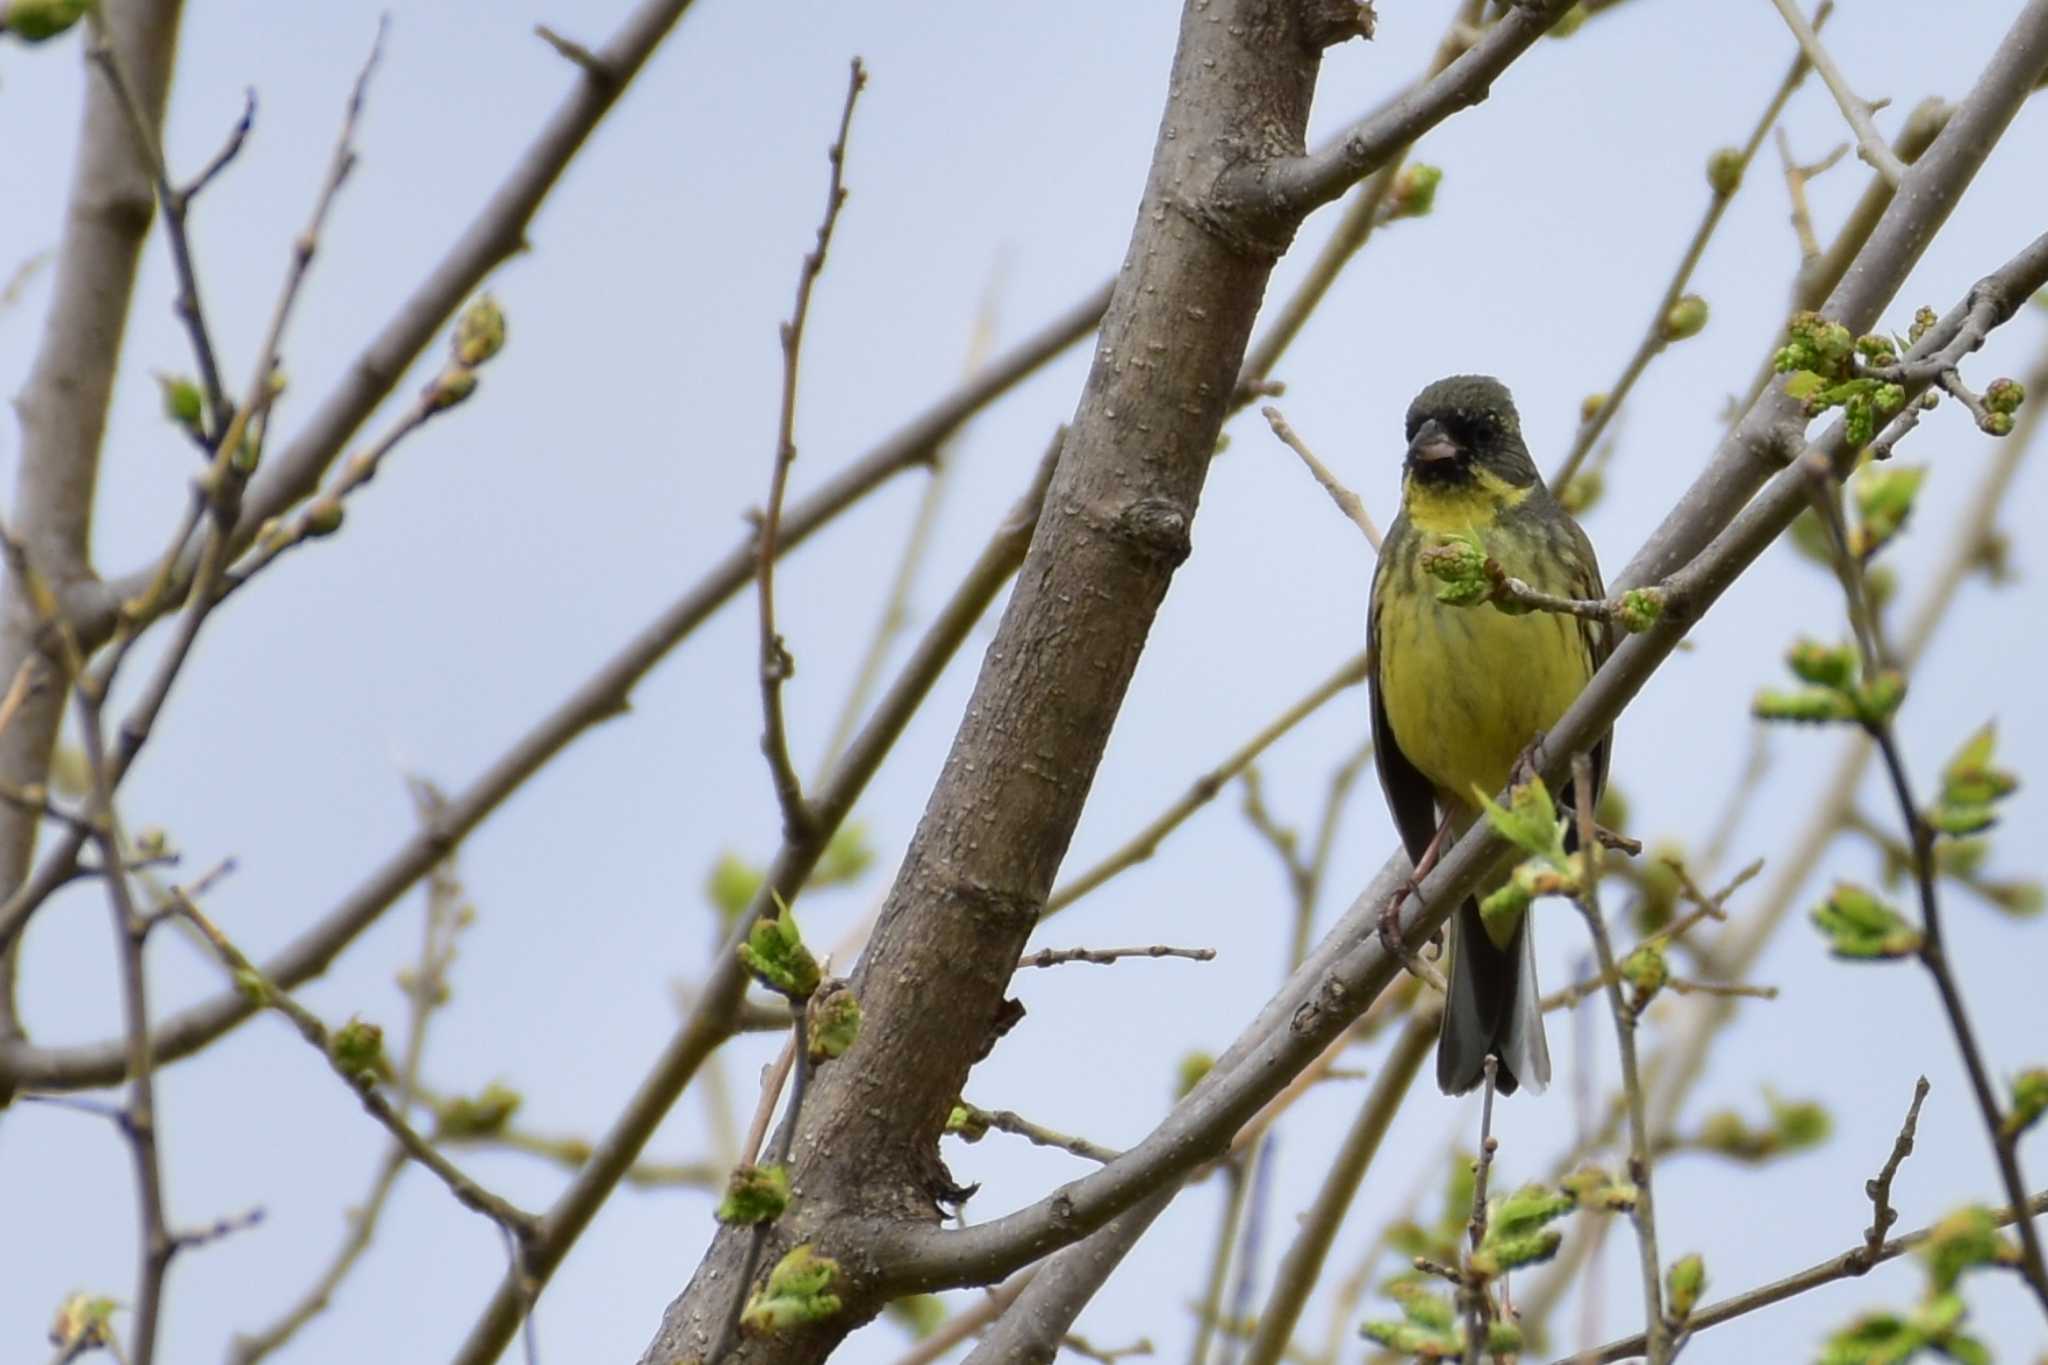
<point x="1492" y="1009"/>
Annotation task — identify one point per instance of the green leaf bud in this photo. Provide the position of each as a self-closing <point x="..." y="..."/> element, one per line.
<point x="1189" y="1072"/>
<point x="1877" y="349"/>
<point x="1799" y="1124"/>
<point x="799" y="1291"/>
<point x="775" y="953"/>
<point x="184" y="404"/>
<point x="754" y="1194"/>
<point x="1963" y="1240"/>
<point x="479" y="332"/>
<point x="1581" y="493"/>
<point x="1924" y="321"/>
<point x="323" y="517"/>
<point x="357" y="1048"/>
<point x="1683" y="1285"/>
<point x="1414" y="190"/>
<point x="451" y="386"/>
<point x="2005" y="395"/>
<point x="1879" y="699"/>
<point x="2029" y="1101"/>
<point x="1590" y="406"/>
<point x="1685" y="318"/>
<point x="35" y="21"/>
<point x="1641" y="608"/>
<point x="1823" y="665"/>
<point x="834" y="1021"/>
<point x="480" y="1117"/>
<point x="1884" y="499"/>
<point x="1860" y="927"/>
<point x="1529" y="821"/>
<point x="732" y="885"/>
<point x="1724" y="171"/>
<point x="1646" y="971"/>
<point x="84" y="1322"/>
<point x="1459" y="564"/>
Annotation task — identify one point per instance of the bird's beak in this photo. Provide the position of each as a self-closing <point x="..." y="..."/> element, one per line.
<point x="1432" y="446"/>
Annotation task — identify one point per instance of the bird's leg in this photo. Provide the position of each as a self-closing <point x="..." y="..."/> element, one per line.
<point x="1390" y="914"/>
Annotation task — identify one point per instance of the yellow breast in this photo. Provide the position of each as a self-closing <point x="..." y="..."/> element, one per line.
<point x="1467" y="688"/>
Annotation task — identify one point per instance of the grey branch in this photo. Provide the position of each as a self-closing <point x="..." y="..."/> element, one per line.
<point x="1870" y="144"/>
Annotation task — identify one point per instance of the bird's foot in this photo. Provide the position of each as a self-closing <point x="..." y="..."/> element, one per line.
<point x="1397" y="947"/>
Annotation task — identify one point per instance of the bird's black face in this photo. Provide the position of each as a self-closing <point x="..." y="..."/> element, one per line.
<point x="1463" y="426"/>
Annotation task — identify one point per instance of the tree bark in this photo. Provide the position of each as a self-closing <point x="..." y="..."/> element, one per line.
<point x="1115" y="526"/>
<point x="63" y="408"/>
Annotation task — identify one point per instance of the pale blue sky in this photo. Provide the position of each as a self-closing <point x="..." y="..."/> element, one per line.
<point x="608" y="458"/>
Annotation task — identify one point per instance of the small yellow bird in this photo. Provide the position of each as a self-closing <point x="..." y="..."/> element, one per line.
<point x="1459" y="693"/>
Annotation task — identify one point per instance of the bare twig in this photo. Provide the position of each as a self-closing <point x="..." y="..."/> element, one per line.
<point x="1644" y="1212"/>
<point x="1870" y="144"/>
<point x="1477" y="1300"/>
<point x="1798" y="175"/>
<point x="1004" y="1121"/>
<point x="776" y="664"/>
<point x="1849" y="1264"/>
<point x="522" y="1226"/>
<point x="1879" y="1189"/>
<point x="1054" y="957"/>
<point x="1206" y="787"/>
<point x="967" y="1322"/>
<point x="1723" y="180"/>
<point x="1348" y="502"/>
<point x="1302" y="1265"/>
<point x="174" y="204"/>
<point x="1237" y="1171"/>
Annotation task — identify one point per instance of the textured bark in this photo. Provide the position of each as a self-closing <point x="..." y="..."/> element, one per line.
<point x="63" y="405"/>
<point x="1115" y="526"/>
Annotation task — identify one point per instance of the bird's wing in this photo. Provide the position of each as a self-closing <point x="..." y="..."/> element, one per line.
<point x="1598" y="635"/>
<point x="1409" y="794"/>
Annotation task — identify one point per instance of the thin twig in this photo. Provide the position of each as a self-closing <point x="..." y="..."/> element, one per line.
<point x="1879" y="1189"/>
<point x="1798" y="175"/>
<point x="1933" y="951"/>
<point x="1934" y="956"/>
<point x="1848" y="1265"/>
<point x="968" y="1321"/>
<point x="174" y="203"/>
<point x="1478" y="1301"/>
<point x="757" y="1236"/>
<point x="1644" y="1211"/>
<point x="1656" y="336"/>
<point x="1004" y="1121"/>
<point x="1054" y="957"/>
<point x="1210" y="1311"/>
<point x="1348" y="502"/>
<point x="1303" y="1263"/>
<point x="775" y="663"/>
<point x="1205" y="788"/>
<point x="517" y="1222"/>
<point x="1870" y="144"/>
<point x="138" y="1118"/>
<point x="425" y="991"/>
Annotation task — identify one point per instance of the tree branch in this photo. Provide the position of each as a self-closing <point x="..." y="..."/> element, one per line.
<point x="709" y="1020"/>
<point x="1266" y="198"/>
<point x="1870" y="144"/>
<point x="1851" y="1263"/>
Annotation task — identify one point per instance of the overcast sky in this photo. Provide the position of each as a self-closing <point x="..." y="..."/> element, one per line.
<point x="613" y="449"/>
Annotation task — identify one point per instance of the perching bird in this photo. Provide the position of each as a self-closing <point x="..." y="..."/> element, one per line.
<point x="1459" y="693"/>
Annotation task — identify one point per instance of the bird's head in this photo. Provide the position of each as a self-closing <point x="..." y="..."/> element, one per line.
<point x="1464" y="431"/>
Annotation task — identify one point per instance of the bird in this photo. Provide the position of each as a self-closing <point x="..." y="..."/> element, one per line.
<point x="1461" y="694"/>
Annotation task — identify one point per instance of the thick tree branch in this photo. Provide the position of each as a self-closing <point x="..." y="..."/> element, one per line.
<point x="62" y="409"/>
<point x="1264" y="200"/>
